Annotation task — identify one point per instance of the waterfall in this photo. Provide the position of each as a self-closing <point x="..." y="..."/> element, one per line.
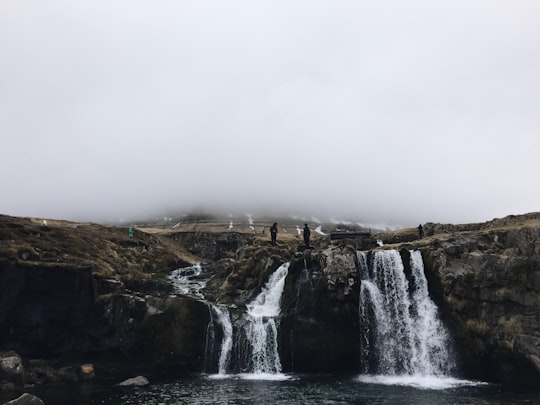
<point x="401" y="332"/>
<point x="250" y="344"/>
<point x="261" y="327"/>
<point x="433" y="354"/>
<point x="224" y="320"/>
<point x="186" y="280"/>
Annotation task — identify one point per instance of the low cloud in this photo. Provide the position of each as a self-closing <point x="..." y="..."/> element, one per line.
<point x="393" y="113"/>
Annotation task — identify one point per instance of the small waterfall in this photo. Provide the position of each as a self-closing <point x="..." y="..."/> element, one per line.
<point x="186" y="280"/>
<point x="224" y="319"/>
<point x="249" y="345"/>
<point x="256" y="333"/>
<point x="433" y="355"/>
<point x="401" y="332"/>
<point x="210" y="340"/>
<point x="262" y="324"/>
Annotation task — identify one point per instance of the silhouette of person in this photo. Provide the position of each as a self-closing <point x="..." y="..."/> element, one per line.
<point x="273" y="233"/>
<point x="307" y="234"/>
<point x="420" y="231"/>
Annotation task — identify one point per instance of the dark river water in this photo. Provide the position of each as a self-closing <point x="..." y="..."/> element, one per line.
<point x="287" y="389"/>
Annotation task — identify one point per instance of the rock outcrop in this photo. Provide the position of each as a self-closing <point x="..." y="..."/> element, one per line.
<point x="26" y="399"/>
<point x="11" y="369"/>
<point x="320" y="324"/>
<point x="72" y="294"/>
<point x="139" y="381"/>
<point x="487" y="284"/>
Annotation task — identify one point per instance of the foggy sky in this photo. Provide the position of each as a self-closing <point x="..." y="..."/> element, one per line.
<point x="388" y="111"/>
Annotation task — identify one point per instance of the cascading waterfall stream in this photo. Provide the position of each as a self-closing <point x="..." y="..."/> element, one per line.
<point x="262" y="324"/>
<point x="250" y="345"/>
<point x="401" y="332"/>
<point x="224" y="319"/>
<point x="433" y="356"/>
<point x="185" y="280"/>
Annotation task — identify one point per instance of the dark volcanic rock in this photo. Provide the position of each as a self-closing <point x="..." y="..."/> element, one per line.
<point x="25" y="399"/>
<point x="174" y="335"/>
<point x="239" y="281"/>
<point x="320" y="325"/>
<point x="487" y="285"/>
<point x="12" y="369"/>
<point x="82" y="293"/>
<point x="43" y="308"/>
<point x="212" y="246"/>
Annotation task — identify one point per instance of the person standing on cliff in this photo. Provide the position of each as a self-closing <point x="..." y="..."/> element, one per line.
<point x="420" y="231"/>
<point x="273" y="233"/>
<point x="307" y="234"/>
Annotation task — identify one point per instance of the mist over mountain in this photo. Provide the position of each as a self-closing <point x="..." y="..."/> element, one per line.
<point x="394" y="113"/>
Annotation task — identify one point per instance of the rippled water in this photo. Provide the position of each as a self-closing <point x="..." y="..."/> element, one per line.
<point x="287" y="389"/>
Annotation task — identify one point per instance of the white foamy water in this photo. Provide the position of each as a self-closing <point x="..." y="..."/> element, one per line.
<point x="264" y="376"/>
<point x="401" y="331"/>
<point x="431" y="337"/>
<point x="418" y="381"/>
<point x="262" y="325"/>
<point x="185" y="280"/>
<point x="267" y="303"/>
<point x="224" y="319"/>
<point x="251" y="376"/>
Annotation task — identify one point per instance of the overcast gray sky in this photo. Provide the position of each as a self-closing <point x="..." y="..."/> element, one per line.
<point x="386" y="111"/>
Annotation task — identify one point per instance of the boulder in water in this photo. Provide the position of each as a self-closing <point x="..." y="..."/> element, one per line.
<point x="11" y="368"/>
<point x="25" y="399"/>
<point x="139" y="381"/>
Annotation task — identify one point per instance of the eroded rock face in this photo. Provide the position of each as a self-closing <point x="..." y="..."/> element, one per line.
<point x="488" y="287"/>
<point x="212" y="246"/>
<point x="73" y="293"/>
<point x="12" y="369"/>
<point x="55" y="313"/>
<point x="237" y="281"/>
<point x="320" y="326"/>
<point x="43" y="307"/>
<point x="175" y="338"/>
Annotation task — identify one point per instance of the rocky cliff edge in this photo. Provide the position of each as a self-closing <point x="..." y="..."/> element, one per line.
<point x="78" y="293"/>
